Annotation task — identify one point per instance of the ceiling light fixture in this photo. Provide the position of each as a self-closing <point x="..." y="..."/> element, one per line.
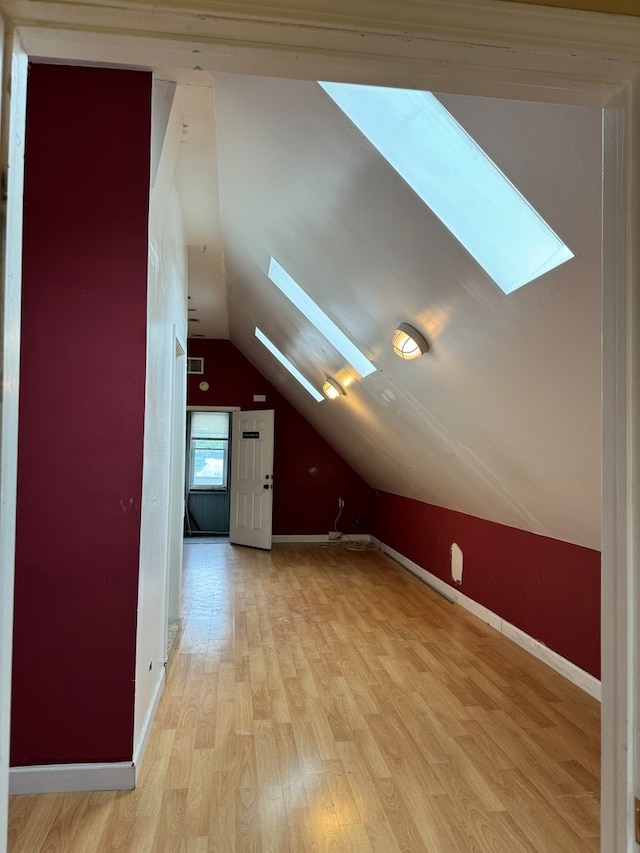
<point x="333" y="389"/>
<point x="408" y="343"/>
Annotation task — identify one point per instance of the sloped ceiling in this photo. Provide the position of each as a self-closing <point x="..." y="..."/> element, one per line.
<point x="197" y="179"/>
<point x="501" y="419"/>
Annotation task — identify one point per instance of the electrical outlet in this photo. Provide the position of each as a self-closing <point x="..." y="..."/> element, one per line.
<point x="340" y="503"/>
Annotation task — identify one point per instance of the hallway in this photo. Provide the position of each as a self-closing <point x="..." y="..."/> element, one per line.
<point x="324" y="699"/>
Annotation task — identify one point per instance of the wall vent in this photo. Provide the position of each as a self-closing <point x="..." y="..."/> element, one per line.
<point x="195" y="365"/>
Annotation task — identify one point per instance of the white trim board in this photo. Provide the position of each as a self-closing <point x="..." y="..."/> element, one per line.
<point x="581" y="56"/>
<point x="212" y="408"/>
<point x="63" y="778"/>
<point x="320" y="537"/>
<point x="564" y="667"/>
<point x="145" y="731"/>
<point x="12" y="127"/>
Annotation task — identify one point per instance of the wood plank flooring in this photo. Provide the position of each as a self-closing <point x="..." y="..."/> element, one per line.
<point x="323" y="699"/>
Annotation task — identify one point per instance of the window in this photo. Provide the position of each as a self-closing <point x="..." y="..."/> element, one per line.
<point x="284" y="361"/>
<point x="305" y="304"/>
<point x="454" y="177"/>
<point x="208" y="436"/>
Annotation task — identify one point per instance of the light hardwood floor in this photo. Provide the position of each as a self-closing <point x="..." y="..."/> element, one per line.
<point x="323" y="699"/>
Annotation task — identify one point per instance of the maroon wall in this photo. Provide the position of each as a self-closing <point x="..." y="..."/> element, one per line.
<point x="309" y="476"/>
<point x="81" y="414"/>
<point x="547" y="588"/>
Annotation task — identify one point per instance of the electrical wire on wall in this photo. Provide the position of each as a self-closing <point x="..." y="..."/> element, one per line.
<point x="337" y="539"/>
<point x="335" y="523"/>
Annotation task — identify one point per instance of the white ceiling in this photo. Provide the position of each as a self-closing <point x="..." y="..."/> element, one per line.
<point x="197" y="180"/>
<point x="501" y="419"/>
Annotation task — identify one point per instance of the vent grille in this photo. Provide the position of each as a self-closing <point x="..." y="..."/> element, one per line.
<point x="195" y="365"/>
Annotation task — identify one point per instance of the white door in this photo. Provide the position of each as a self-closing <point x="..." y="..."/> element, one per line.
<point x="251" y="479"/>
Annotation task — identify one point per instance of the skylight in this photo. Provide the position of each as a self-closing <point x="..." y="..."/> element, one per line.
<point x="292" y="290"/>
<point x="456" y="180"/>
<point x="284" y="361"/>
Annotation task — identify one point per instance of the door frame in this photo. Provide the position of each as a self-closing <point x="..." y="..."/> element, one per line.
<point x="12" y="126"/>
<point x="492" y="50"/>
<point x="230" y="410"/>
<point x="620" y="601"/>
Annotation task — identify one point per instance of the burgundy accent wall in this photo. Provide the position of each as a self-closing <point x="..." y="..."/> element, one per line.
<point x="547" y="588"/>
<point x="82" y="387"/>
<point x="309" y="475"/>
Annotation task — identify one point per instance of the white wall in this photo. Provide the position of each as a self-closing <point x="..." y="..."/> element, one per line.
<point x="14" y="80"/>
<point x="161" y="521"/>
<point x="177" y="501"/>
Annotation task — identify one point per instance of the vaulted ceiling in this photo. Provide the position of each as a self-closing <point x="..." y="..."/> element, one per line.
<point x="501" y="418"/>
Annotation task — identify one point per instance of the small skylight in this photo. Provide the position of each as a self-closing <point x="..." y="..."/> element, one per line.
<point x="454" y="177"/>
<point x="284" y="361"/>
<point x="292" y="290"/>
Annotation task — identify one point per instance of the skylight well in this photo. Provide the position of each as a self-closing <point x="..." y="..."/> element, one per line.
<point x="292" y="290"/>
<point x="284" y="361"/>
<point x="455" y="178"/>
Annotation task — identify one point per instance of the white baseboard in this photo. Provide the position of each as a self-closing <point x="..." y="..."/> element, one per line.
<point x="319" y="537"/>
<point x="299" y="537"/>
<point x="570" y="671"/>
<point x="63" y="778"/>
<point x="145" y="731"/>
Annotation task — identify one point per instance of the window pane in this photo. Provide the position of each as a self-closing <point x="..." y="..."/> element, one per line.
<point x="208" y="463"/>
<point x="208" y="450"/>
<point x="454" y="177"/>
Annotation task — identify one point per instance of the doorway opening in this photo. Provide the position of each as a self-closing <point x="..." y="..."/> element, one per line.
<point x="207" y="473"/>
<point x="618" y="337"/>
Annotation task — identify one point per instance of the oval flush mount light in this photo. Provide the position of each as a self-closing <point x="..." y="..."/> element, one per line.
<point x="333" y="389"/>
<point x="408" y="343"/>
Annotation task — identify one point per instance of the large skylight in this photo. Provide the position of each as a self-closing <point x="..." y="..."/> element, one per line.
<point x="292" y="290"/>
<point x="284" y="361"/>
<point x="454" y="177"/>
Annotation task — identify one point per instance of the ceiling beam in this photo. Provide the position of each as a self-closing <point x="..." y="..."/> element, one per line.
<point x="443" y="45"/>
